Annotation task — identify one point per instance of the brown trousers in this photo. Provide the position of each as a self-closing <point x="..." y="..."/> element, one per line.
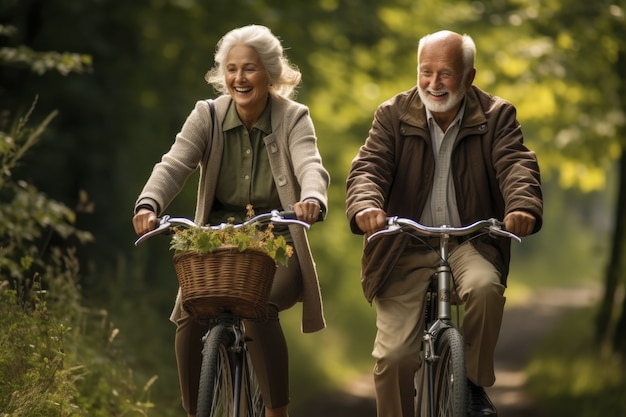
<point x="268" y="348"/>
<point x="399" y="321"/>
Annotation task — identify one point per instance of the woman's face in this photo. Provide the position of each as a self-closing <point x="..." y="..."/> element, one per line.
<point x="246" y="78"/>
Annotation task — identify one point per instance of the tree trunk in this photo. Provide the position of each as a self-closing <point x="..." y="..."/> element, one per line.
<point x="615" y="266"/>
<point x="619" y="337"/>
<point x="615" y="269"/>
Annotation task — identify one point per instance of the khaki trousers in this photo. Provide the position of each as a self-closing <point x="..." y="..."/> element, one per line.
<point x="399" y="306"/>
<point x="267" y="345"/>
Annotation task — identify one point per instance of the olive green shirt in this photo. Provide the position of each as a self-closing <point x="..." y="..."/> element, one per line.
<point x="245" y="175"/>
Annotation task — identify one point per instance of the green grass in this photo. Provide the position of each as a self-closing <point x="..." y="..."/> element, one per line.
<point x="573" y="375"/>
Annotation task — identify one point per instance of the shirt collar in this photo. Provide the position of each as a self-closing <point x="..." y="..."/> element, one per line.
<point x="264" y="124"/>
<point x="457" y="119"/>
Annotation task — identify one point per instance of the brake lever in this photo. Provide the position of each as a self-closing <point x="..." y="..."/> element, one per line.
<point x="280" y="220"/>
<point x="497" y="229"/>
<point x="389" y="229"/>
<point x="164" y="223"/>
<point x="287" y="217"/>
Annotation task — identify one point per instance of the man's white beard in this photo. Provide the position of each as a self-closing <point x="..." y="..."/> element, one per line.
<point x="437" y="107"/>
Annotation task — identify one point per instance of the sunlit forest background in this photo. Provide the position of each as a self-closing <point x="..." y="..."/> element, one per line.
<point x="92" y="93"/>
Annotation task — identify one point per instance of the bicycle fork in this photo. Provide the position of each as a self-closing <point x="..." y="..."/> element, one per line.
<point x="430" y="357"/>
<point x="442" y="322"/>
<point x="237" y="350"/>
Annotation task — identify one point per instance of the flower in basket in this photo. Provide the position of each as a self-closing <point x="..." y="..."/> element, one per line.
<point x="197" y="239"/>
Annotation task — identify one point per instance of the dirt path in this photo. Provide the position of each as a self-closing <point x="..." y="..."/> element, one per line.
<point x="524" y="325"/>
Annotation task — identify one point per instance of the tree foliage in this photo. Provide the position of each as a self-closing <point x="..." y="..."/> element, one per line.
<point x="589" y="118"/>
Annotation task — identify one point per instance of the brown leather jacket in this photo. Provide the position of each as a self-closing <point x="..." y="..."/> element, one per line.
<point x="494" y="173"/>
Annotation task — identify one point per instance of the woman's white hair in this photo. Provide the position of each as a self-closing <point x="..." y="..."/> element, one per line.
<point x="284" y="77"/>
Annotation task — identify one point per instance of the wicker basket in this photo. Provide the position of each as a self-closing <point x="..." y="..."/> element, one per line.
<point x="225" y="280"/>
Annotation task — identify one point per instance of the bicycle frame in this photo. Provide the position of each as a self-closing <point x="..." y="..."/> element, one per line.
<point x="443" y="320"/>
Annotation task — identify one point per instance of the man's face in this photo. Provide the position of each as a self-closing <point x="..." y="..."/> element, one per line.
<point x="442" y="82"/>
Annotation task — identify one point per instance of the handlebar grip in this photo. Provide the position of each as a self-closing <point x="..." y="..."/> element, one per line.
<point x="291" y="215"/>
<point x="288" y="214"/>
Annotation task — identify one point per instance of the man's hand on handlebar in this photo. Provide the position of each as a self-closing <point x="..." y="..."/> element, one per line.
<point x="520" y="223"/>
<point x="371" y="220"/>
<point x="144" y="221"/>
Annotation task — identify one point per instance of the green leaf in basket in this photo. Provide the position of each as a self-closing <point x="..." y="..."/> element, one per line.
<point x="206" y="243"/>
<point x="281" y="256"/>
<point x="242" y="242"/>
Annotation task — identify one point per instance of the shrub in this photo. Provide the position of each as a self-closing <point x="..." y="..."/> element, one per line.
<point x="57" y="358"/>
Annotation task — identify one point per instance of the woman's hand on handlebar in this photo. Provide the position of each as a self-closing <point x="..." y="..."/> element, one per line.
<point x="371" y="220"/>
<point x="308" y="211"/>
<point x="520" y="223"/>
<point x="144" y="221"/>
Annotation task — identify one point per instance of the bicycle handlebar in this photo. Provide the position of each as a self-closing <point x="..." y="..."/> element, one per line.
<point x="491" y="226"/>
<point x="166" y="223"/>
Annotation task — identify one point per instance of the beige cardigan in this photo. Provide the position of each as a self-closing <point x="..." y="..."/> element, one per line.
<point x="296" y="167"/>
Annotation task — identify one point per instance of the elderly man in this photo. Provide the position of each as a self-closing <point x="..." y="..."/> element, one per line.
<point x="444" y="152"/>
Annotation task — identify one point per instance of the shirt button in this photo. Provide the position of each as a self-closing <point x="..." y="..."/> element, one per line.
<point x="248" y="151"/>
<point x="246" y="177"/>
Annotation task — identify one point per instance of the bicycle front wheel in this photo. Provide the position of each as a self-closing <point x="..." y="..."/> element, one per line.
<point x="449" y="377"/>
<point x="215" y="394"/>
<point x="219" y="389"/>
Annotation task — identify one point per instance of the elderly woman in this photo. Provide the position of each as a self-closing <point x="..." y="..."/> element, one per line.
<point x="262" y="151"/>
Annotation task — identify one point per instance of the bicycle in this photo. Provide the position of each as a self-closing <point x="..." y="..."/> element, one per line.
<point x="441" y="386"/>
<point x="228" y="385"/>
